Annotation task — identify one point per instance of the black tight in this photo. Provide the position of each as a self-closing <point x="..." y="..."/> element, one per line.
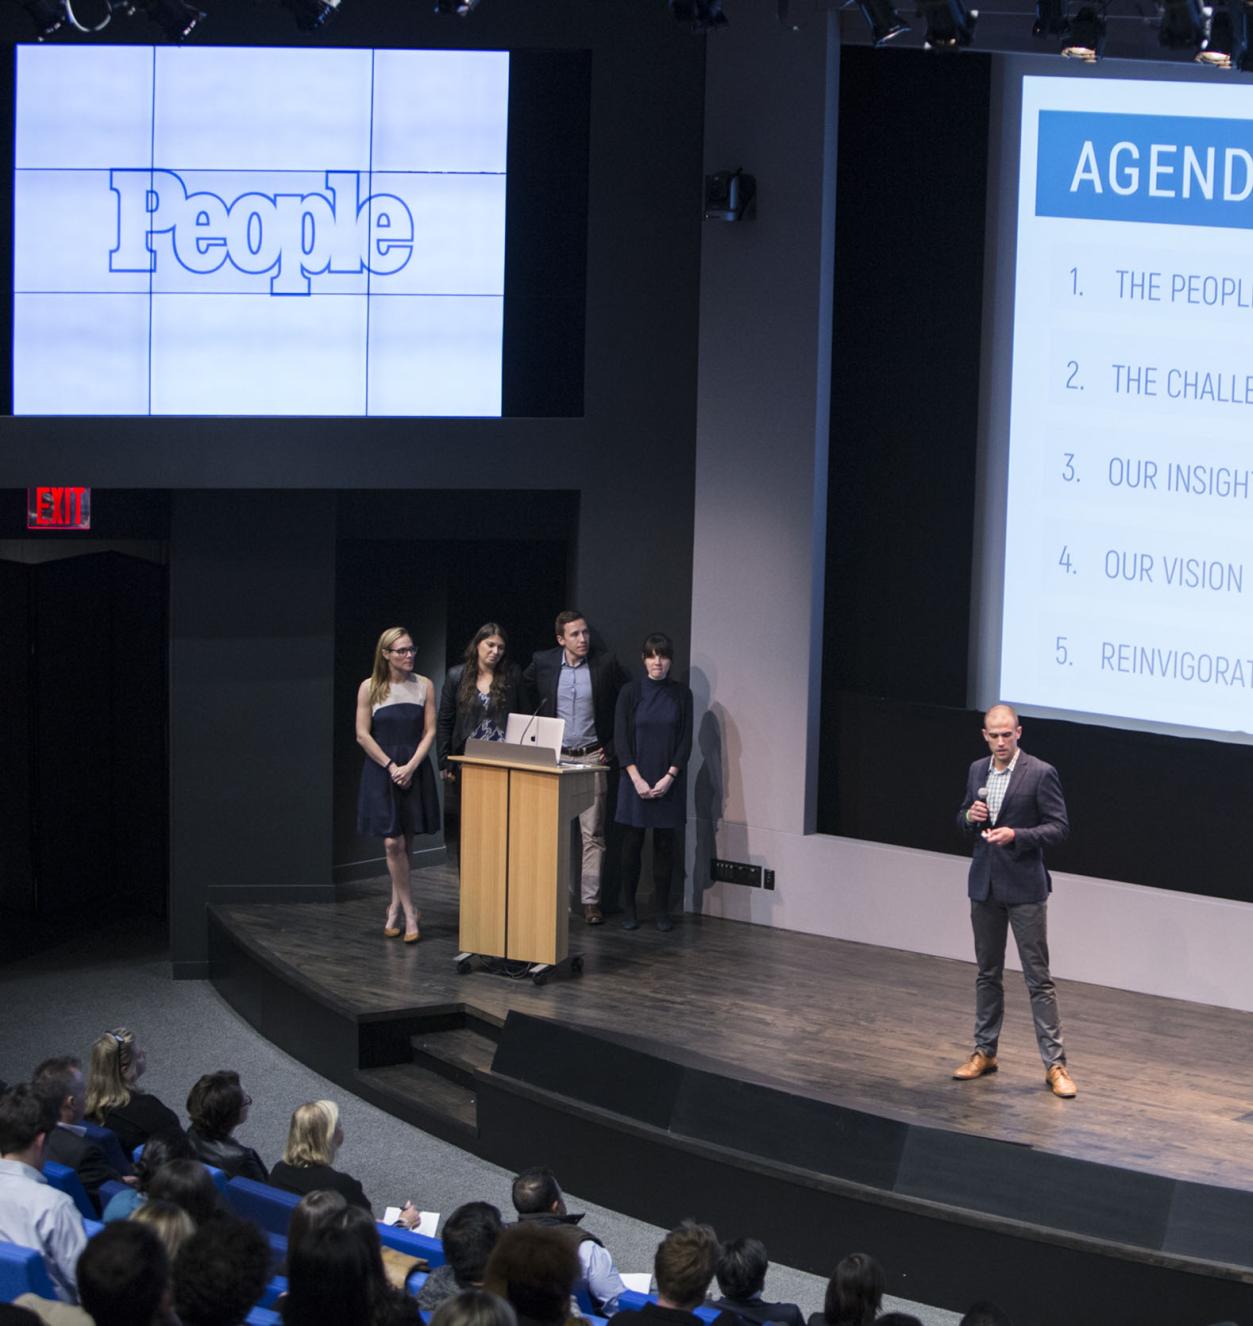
<point x="663" y="865"/>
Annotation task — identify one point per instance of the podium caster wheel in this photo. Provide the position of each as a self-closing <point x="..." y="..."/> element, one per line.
<point x="464" y="967"/>
<point x="576" y="966"/>
<point x="540" y="978"/>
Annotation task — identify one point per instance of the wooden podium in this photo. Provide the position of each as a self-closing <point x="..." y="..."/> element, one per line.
<point x="515" y="856"/>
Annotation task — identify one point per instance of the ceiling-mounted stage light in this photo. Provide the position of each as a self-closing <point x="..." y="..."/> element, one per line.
<point x="1086" y="38"/>
<point x="949" y="24"/>
<point x="1052" y="18"/>
<point x="1185" y="25"/>
<point x="1228" y="43"/>
<point x="882" y="20"/>
<point x="176" y="18"/>
<point x="310" y="15"/>
<point x="459" y="7"/>
<point x="699" y="15"/>
<point x="47" y="15"/>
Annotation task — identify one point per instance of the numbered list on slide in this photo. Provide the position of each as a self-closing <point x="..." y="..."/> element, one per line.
<point x="1129" y="531"/>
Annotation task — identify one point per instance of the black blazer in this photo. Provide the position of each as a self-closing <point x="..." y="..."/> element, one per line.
<point x="758" y="1312"/>
<point x="85" y="1157"/>
<point x="1036" y="811"/>
<point x="544" y="672"/>
<point x="303" y="1179"/>
<point x="454" y="726"/>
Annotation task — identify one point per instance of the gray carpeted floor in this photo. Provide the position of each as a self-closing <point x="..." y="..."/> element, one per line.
<point x="61" y="1001"/>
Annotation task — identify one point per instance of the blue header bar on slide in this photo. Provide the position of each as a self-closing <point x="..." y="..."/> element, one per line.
<point x="1166" y="169"/>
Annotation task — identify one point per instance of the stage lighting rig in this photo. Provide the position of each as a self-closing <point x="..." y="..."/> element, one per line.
<point x="950" y="24"/>
<point x="47" y="15"/>
<point x="699" y="15"/>
<point x="882" y="20"/>
<point x="176" y="18"/>
<point x="310" y="15"/>
<point x="1228" y="43"/>
<point x="1086" y="38"/>
<point x="459" y="7"/>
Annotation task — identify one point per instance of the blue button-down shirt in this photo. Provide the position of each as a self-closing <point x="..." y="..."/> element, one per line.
<point x="574" y="703"/>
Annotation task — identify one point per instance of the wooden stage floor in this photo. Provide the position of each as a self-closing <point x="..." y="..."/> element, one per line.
<point x="1165" y="1087"/>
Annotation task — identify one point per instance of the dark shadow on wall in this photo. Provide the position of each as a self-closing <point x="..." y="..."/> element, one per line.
<point x="709" y="791"/>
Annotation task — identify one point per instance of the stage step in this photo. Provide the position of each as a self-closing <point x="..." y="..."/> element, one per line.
<point x="424" y="1097"/>
<point x="457" y="1053"/>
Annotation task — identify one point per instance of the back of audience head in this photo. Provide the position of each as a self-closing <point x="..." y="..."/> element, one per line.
<point x="684" y="1264"/>
<point x="124" y="1276"/>
<point x="314" y="1135"/>
<point x="986" y="1313"/>
<point x="469" y="1235"/>
<point x="25" y="1118"/>
<point x="897" y="1319"/>
<point x="217" y="1104"/>
<point x="313" y="1211"/>
<point x="159" y="1150"/>
<point x="60" y="1081"/>
<point x="117" y="1063"/>
<point x="536" y="1192"/>
<point x="188" y="1185"/>
<point x="335" y="1273"/>
<point x="855" y="1291"/>
<point x="220" y="1273"/>
<point x="741" y="1268"/>
<point x="534" y="1267"/>
<point x="474" y="1307"/>
<point x="170" y="1223"/>
<point x="12" y="1315"/>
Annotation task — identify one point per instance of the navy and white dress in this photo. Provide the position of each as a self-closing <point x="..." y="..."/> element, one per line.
<point x="385" y="810"/>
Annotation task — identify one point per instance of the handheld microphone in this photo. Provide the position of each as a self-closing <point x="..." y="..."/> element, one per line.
<point x="529" y="721"/>
<point x="982" y="795"/>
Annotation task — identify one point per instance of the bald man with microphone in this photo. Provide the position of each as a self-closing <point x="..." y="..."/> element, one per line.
<point x="1013" y="809"/>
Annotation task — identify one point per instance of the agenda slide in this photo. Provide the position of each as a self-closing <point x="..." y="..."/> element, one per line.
<point x="1128" y="538"/>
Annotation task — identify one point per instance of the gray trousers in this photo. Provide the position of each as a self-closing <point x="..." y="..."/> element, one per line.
<point x="990" y="921"/>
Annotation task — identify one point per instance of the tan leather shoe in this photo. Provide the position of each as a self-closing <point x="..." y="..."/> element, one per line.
<point x="592" y="914"/>
<point x="976" y="1066"/>
<point x="1060" y="1082"/>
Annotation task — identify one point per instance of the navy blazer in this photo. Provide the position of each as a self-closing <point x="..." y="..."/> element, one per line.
<point x="543" y="674"/>
<point x="1036" y="811"/>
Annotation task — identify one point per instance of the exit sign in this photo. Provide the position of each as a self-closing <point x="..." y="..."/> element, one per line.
<point x="58" y="508"/>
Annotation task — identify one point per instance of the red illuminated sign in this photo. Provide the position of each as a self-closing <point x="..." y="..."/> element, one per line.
<point x="58" y="508"/>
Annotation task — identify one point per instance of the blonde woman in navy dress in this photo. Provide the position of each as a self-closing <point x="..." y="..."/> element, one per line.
<point x="395" y="728"/>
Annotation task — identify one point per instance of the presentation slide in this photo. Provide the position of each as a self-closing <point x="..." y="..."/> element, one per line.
<point x="218" y="231"/>
<point x="1128" y="577"/>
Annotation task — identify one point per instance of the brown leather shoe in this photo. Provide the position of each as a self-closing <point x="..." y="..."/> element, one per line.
<point x="593" y="915"/>
<point x="1061" y="1083"/>
<point x="976" y="1066"/>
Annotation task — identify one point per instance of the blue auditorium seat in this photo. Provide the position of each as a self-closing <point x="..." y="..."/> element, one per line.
<point x="22" y="1271"/>
<point x="66" y="1180"/>
<point x="263" y="1317"/>
<point x="268" y="1207"/>
<point x="416" y="1245"/>
<point x="634" y="1300"/>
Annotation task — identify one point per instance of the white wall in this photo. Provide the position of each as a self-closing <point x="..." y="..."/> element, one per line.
<point x="757" y="589"/>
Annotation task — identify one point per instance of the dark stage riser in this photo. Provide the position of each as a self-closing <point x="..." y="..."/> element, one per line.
<point x="661" y="1135"/>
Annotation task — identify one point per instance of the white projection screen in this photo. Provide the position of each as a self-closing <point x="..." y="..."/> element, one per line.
<point x="221" y="231"/>
<point x="1114" y="564"/>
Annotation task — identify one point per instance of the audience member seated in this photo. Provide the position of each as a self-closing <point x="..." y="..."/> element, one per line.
<point x="189" y="1186"/>
<point x="220" y="1273"/>
<point x="113" y="1099"/>
<point x="312" y="1212"/>
<point x="10" y="1313"/>
<point x="534" y="1268"/>
<point x="474" y="1307"/>
<point x="170" y="1223"/>
<point x="313" y="1139"/>
<point x="741" y="1273"/>
<point x="986" y="1313"/>
<point x="32" y="1213"/>
<point x="683" y="1267"/>
<point x="123" y="1280"/>
<point x="158" y="1151"/>
<point x="60" y="1082"/>
<point x="335" y="1277"/>
<point x="897" y="1319"/>
<point x="854" y="1293"/>
<point x="216" y="1106"/>
<point x="538" y="1200"/>
<point x="469" y="1235"/>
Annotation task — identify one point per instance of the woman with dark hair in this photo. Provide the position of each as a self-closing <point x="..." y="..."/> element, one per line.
<point x="479" y="694"/>
<point x="216" y="1106"/>
<point x="652" y="740"/>
<point x="189" y="1186"/>
<point x="113" y="1099"/>
<point x="397" y="800"/>
<point x="158" y="1151"/>
<point x="335" y="1277"/>
<point x="854" y="1293"/>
